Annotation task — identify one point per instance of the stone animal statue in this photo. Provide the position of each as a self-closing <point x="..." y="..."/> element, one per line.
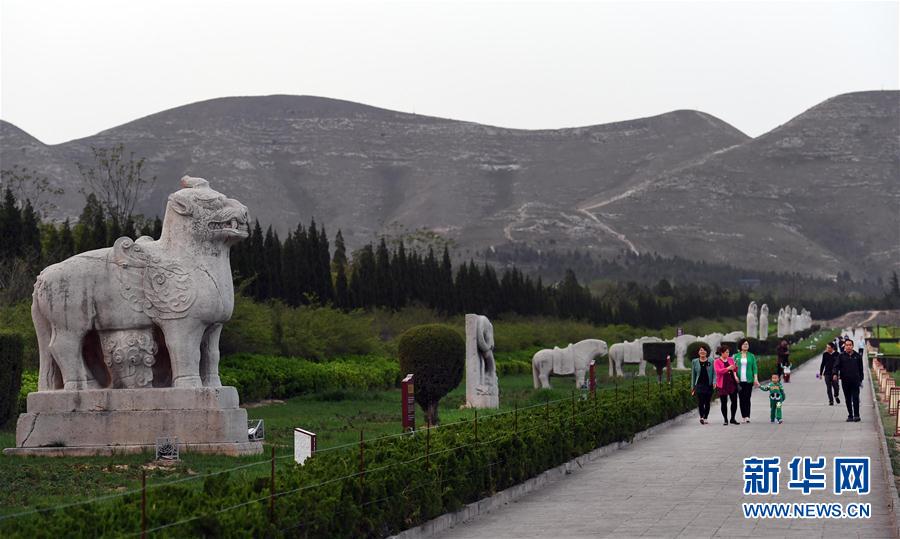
<point x="128" y="304"/>
<point x="681" y="344"/>
<point x="629" y="352"/>
<point x="763" y="322"/>
<point x="575" y="358"/>
<point x="713" y="340"/>
<point x="752" y="319"/>
<point x="734" y="336"/>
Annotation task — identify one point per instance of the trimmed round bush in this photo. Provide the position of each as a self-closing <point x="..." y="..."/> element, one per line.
<point x="11" y="357"/>
<point x="436" y="356"/>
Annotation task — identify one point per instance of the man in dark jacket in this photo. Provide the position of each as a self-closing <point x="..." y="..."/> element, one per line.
<point x="826" y="372"/>
<point x="849" y="370"/>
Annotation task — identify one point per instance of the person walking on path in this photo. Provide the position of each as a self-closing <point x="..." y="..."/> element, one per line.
<point x="726" y="383"/>
<point x="776" y="399"/>
<point x="783" y="352"/>
<point x="745" y="362"/>
<point x="849" y="370"/>
<point x="826" y="372"/>
<point x="702" y="377"/>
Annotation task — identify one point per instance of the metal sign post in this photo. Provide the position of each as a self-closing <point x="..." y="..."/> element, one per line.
<point x="408" y="394"/>
<point x="593" y="379"/>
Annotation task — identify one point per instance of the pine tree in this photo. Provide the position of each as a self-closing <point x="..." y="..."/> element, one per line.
<point x="340" y="252"/>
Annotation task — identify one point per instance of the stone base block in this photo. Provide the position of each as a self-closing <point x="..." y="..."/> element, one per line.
<point x="112" y="421"/>
<point x="232" y="450"/>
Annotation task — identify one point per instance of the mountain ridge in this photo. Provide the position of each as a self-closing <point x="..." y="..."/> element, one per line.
<point x="371" y="171"/>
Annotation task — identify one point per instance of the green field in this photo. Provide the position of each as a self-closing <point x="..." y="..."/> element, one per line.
<point x="883" y="332"/>
<point x="889" y="349"/>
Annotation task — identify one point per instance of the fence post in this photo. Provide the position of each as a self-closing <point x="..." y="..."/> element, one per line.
<point x="272" y="490"/>
<point x="427" y="445"/>
<point x="547" y="410"/>
<point x="362" y="457"/>
<point x="573" y="422"/>
<point x="143" y="504"/>
<point x="516" y="416"/>
<point x="476" y="425"/>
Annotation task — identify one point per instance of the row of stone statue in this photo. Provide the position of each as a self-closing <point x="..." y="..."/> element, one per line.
<point x="789" y="321"/>
<point x="482" y="388"/>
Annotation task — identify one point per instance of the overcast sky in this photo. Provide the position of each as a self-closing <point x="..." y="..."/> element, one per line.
<point x="69" y="69"/>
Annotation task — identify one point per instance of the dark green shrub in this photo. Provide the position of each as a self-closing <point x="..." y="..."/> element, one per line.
<point x="11" y="357"/>
<point x="436" y="356"/>
<point x="258" y="377"/>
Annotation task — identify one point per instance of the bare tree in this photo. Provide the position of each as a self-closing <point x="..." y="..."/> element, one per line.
<point x="117" y="182"/>
<point x="28" y="184"/>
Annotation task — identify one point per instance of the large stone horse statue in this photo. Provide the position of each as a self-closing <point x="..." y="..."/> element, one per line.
<point x="574" y="358"/>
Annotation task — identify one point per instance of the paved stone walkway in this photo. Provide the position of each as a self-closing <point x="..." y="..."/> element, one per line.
<point x="687" y="481"/>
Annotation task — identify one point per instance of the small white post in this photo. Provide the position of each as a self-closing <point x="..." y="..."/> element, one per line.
<point x="304" y="445"/>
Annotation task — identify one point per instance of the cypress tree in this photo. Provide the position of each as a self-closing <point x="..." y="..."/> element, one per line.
<point x="31" y="233"/>
<point x="10" y="227"/>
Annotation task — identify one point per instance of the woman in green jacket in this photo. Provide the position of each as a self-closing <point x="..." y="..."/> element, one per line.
<point x="747" y="376"/>
<point x="703" y="379"/>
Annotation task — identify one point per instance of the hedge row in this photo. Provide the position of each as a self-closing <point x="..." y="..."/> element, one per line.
<point x="407" y="480"/>
<point x="11" y="359"/>
<point x="258" y="377"/>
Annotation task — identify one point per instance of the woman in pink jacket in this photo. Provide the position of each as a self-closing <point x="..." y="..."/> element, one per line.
<point x="726" y="383"/>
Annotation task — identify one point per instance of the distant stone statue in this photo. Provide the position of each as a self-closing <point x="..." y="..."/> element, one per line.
<point x="794" y="321"/>
<point x="784" y="327"/>
<point x="681" y="344"/>
<point x="128" y="338"/>
<point x="763" y="322"/>
<point x="629" y="352"/>
<point x="482" y="389"/>
<point x="574" y="359"/>
<point x="752" y="320"/>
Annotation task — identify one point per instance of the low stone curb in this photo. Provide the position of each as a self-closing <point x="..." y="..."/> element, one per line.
<point x="894" y="503"/>
<point x="486" y="505"/>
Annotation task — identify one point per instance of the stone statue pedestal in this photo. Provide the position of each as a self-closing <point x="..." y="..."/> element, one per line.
<point x="115" y="421"/>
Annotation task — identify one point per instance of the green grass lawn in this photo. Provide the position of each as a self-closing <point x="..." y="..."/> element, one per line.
<point x="889" y="348"/>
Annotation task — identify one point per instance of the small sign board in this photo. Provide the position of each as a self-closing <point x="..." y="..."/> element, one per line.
<point x="408" y="395"/>
<point x="679" y="332"/>
<point x="304" y="445"/>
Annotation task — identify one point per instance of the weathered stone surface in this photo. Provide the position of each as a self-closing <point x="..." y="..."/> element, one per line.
<point x="681" y="344"/>
<point x="482" y="388"/>
<point x="105" y="400"/>
<point x="575" y="358"/>
<point x="131" y="427"/>
<point x="137" y="293"/>
<point x="228" y="449"/>
<point x="763" y="323"/>
<point x="752" y="319"/>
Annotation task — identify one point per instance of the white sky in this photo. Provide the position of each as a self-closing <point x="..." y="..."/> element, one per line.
<point x="69" y="69"/>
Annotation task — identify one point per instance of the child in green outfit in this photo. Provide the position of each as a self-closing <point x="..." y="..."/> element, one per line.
<point x="776" y="397"/>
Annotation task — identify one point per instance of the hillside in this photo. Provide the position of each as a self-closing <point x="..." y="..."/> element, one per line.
<point x="710" y="189"/>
